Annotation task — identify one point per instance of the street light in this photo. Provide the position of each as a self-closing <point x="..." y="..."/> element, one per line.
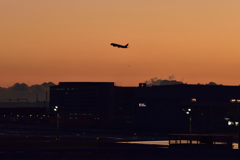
<point x="190" y="121"/>
<point x="188" y="112"/>
<point x="238" y="119"/>
<point x="56" y="110"/>
<point x="236" y="124"/>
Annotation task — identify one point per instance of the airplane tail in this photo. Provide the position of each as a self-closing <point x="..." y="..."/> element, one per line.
<point x="126" y="45"/>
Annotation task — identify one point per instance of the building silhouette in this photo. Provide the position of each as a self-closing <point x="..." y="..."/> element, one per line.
<point x="172" y="108"/>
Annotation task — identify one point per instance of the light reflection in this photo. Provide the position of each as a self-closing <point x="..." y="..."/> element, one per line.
<point x="235" y="145"/>
<point x="163" y="143"/>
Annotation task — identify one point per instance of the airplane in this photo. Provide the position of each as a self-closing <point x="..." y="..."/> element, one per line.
<point x="119" y="46"/>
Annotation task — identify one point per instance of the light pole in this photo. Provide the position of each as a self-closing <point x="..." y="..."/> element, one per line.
<point x="238" y="120"/>
<point x="56" y="110"/>
<point x="190" y="119"/>
<point x="188" y="112"/>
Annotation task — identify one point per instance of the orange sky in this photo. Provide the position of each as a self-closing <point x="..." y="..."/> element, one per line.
<point x="68" y="40"/>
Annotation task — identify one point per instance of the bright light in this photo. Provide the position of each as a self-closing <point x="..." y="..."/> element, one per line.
<point x="187" y="112"/>
<point x="55" y="109"/>
<point x="238" y="100"/>
<point x="142" y="105"/>
<point x="233" y="100"/>
<point x="193" y="99"/>
<point x="236" y="123"/>
<point x="189" y="109"/>
<point x="230" y="123"/>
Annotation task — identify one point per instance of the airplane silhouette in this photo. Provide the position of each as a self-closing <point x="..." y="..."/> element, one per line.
<point x="119" y="46"/>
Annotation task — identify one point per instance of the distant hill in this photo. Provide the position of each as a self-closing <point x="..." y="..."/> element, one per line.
<point x="23" y="91"/>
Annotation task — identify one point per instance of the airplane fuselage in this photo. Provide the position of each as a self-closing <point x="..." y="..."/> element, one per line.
<point x="118" y="45"/>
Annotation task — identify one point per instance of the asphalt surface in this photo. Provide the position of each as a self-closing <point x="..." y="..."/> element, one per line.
<point x="36" y="142"/>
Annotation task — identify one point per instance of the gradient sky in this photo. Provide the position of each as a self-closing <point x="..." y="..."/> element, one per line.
<point x="197" y="41"/>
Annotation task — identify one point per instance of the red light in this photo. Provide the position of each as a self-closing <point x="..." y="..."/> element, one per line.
<point x="140" y="105"/>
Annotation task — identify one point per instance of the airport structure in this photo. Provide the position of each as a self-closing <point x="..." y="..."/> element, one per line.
<point x="193" y="116"/>
<point x="171" y="108"/>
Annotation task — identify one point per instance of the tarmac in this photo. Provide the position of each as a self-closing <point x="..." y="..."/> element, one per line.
<point x="16" y="143"/>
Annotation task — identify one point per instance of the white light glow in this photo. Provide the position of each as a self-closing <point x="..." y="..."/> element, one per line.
<point x="189" y="109"/>
<point x="187" y="112"/>
<point x="230" y="123"/>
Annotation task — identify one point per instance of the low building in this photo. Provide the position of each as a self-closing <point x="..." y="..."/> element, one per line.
<point x="83" y="103"/>
<point x="173" y="108"/>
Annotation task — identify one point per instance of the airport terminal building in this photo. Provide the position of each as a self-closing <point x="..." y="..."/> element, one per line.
<point x="171" y="108"/>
